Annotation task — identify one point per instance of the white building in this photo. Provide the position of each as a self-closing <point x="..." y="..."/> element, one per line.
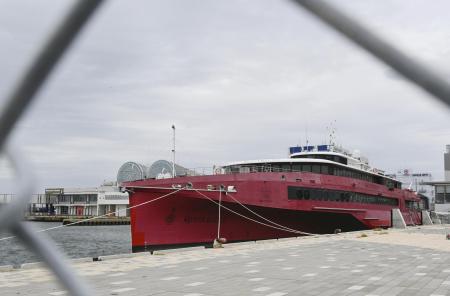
<point x="447" y="163"/>
<point x="89" y="201"/>
<point x="442" y="188"/>
<point x="111" y="200"/>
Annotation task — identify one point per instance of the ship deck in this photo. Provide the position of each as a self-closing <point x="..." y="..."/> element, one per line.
<point x="412" y="261"/>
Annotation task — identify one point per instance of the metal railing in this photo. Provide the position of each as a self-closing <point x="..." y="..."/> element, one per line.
<point x="6" y="198"/>
<point x="23" y="94"/>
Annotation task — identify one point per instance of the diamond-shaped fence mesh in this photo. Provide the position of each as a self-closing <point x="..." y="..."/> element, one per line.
<point x="21" y="97"/>
<point x="60" y="40"/>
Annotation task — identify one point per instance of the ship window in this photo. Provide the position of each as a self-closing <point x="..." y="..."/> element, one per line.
<point x="306" y="194"/>
<point x="316" y="168"/>
<point x="300" y="193"/>
<point x="333" y="195"/>
<point x="331" y="170"/>
<point x="286" y="167"/>
<point x="318" y="194"/>
<point x="409" y="204"/>
<point x="234" y="169"/>
<point x="324" y="169"/>
<point x="293" y="192"/>
<point x="276" y="168"/>
<point x="296" y="167"/>
<point x="244" y="169"/>
<point x="306" y="168"/>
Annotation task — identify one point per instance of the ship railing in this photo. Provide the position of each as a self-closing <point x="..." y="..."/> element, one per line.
<point x="196" y="171"/>
<point x="217" y="170"/>
<point x="52" y="51"/>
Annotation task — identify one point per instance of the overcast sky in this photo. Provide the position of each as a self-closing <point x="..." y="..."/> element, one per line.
<point x="239" y="79"/>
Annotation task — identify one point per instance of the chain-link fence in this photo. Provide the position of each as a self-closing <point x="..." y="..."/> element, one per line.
<point x="22" y="95"/>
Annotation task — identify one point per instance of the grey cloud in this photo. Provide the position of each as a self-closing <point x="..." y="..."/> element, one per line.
<point x="240" y="80"/>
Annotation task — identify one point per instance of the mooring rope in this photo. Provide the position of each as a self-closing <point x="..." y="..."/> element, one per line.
<point x="105" y="215"/>
<point x="270" y="221"/>
<point x="248" y="218"/>
<point x="220" y="205"/>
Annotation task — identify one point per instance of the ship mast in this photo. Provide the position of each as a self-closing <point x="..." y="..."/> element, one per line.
<point x="173" y="152"/>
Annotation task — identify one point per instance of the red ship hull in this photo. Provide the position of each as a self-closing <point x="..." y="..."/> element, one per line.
<point x="188" y="218"/>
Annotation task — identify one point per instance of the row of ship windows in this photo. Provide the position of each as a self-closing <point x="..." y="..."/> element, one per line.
<point x="300" y="193"/>
<point x="314" y="168"/>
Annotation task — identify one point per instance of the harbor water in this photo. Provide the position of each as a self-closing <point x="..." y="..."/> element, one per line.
<point x="74" y="241"/>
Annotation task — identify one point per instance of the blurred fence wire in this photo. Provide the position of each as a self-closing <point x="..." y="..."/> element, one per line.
<point x="413" y="70"/>
<point x="21" y="97"/>
<point x="33" y="79"/>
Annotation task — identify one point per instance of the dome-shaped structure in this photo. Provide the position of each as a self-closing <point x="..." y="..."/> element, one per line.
<point x="163" y="169"/>
<point x="131" y="171"/>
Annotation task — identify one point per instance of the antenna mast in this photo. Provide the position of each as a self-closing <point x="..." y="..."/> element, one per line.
<point x="173" y="152"/>
<point x="306" y="135"/>
<point x="332" y="133"/>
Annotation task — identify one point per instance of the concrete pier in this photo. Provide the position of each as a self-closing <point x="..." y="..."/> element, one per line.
<point x="411" y="261"/>
<point x="99" y="221"/>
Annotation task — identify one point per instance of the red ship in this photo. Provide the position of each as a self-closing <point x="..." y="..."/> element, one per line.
<point x="318" y="189"/>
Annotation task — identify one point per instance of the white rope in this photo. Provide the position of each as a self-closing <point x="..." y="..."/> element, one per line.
<point x="278" y="226"/>
<point x="248" y="218"/>
<point x="270" y="221"/>
<point x="105" y="215"/>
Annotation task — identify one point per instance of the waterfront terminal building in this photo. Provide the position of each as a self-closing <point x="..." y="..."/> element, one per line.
<point x="90" y="201"/>
<point x="87" y="201"/>
<point x="107" y="199"/>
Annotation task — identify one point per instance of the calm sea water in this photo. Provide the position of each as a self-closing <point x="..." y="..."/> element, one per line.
<point x="74" y="241"/>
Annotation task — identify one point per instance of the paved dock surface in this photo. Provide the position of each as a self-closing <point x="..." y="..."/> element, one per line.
<point x="415" y="261"/>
